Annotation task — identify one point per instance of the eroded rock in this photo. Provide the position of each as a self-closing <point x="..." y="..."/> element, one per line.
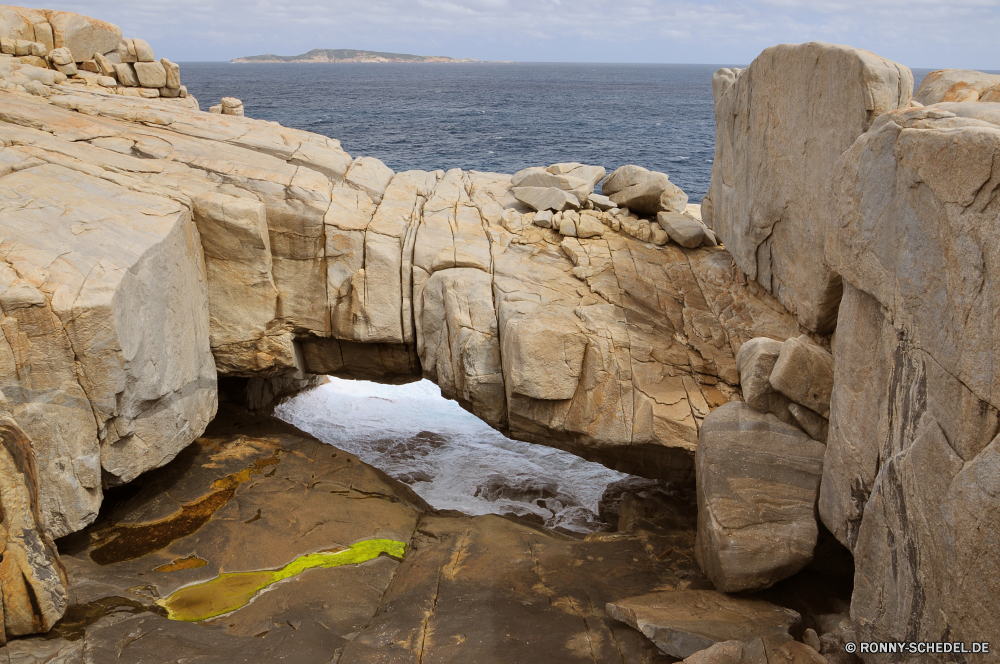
<point x="682" y="623"/>
<point x="781" y="125"/>
<point x="758" y="481"/>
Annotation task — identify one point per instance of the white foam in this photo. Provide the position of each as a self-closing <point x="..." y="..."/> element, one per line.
<point x="381" y="423"/>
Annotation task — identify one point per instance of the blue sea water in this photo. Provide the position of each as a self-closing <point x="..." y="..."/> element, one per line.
<point x="485" y="116"/>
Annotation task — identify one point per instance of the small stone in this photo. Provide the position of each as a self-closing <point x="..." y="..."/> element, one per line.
<point x="602" y="203"/>
<point x="106" y="66"/>
<point x="107" y="81"/>
<point x="682" y="228"/>
<point x="151" y="74"/>
<point x="69" y="70"/>
<point x="60" y="56"/>
<point x="773" y="648"/>
<point x="173" y="73"/>
<point x="125" y="73"/>
<point x="91" y="66"/>
<point x="683" y="622"/>
<point x="546" y="198"/>
<point x="215" y="109"/>
<point x="660" y="237"/>
<point x="804" y="374"/>
<point x="811" y="639"/>
<point x="143" y="51"/>
<point x="22" y="47"/>
<point x="232" y="106"/>
<point x="755" y="362"/>
<point x="39" y="50"/>
<point x="543" y="219"/>
<point x="589" y="226"/>
<point x="170" y="93"/>
<point x="126" y="51"/>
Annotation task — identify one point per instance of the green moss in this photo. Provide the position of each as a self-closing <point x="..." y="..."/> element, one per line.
<point x="228" y="592"/>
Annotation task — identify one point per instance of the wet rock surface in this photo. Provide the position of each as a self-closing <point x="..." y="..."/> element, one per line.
<point x="255" y="495"/>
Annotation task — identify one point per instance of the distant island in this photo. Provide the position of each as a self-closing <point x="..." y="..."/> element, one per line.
<point x="350" y="55"/>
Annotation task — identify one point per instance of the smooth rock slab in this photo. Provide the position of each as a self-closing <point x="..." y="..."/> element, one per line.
<point x="758" y="481"/>
<point x="684" y="622"/>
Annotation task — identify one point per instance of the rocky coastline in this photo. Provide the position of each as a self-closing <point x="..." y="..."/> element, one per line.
<point x="802" y="368"/>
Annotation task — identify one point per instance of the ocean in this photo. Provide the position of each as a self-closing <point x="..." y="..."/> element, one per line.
<point x="486" y="117"/>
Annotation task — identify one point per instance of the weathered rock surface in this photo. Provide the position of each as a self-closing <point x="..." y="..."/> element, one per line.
<point x="682" y="623"/>
<point x="644" y="191"/>
<point x="758" y="482"/>
<point x="914" y="414"/>
<point x="803" y="372"/>
<point x="254" y="494"/>
<point x="781" y="125"/>
<point x="958" y="85"/>
<point x="776" y="648"/>
<point x="755" y="362"/>
<point x="32" y="579"/>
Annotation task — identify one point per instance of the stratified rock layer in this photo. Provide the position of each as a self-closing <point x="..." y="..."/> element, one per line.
<point x="781" y="124"/>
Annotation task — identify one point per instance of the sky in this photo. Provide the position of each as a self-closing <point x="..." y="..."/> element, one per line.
<point x="918" y="33"/>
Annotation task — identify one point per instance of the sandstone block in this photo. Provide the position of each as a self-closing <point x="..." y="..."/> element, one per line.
<point x="546" y="198"/>
<point x="173" y="71"/>
<point x="684" y="622"/>
<point x="104" y="64"/>
<point x="758" y="481"/>
<point x="543" y="219"/>
<point x="60" y="56"/>
<point x="126" y="51"/>
<point x="804" y="374"/>
<point x="143" y="51"/>
<point x="107" y="81"/>
<point x="602" y="203"/>
<point x="643" y="191"/>
<point x="682" y="228"/>
<point x="755" y="362"/>
<point x="152" y="75"/>
<point x="781" y="125"/>
<point x="126" y="75"/>
<point x="83" y="36"/>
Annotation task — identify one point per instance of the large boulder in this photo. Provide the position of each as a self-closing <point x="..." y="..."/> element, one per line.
<point x="83" y="36"/>
<point x="958" y="85"/>
<point x="641" y="190"/>
<point x="758" y="481"/>
<point x="910" y="476"/>
<point x="781" y="125"/>
<point x="684" y="622"/>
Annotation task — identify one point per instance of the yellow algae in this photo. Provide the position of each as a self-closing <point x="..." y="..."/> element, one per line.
<point x="231" y="591"/>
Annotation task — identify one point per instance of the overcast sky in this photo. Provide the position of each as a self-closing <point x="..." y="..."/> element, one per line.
<point x="918" y="33"/>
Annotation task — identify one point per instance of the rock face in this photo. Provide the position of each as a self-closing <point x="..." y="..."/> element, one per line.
<point x="912" y="451"/>
<point x="758" y="481"/>
<point x="781" y="125"/>
<point x="32" y="579"/>
<point x="682" y="623"/>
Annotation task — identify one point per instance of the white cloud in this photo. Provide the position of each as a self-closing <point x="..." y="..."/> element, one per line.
<point x="920" y="33"/>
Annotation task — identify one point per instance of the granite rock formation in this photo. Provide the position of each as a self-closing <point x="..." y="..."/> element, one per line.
<point x="781" y="124"/>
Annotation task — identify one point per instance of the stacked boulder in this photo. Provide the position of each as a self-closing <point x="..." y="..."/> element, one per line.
<point x="228" y="106"/>
<point x="82" y="51"/>
<point x="564" y="200"/>
<point x="759" y="465"/>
